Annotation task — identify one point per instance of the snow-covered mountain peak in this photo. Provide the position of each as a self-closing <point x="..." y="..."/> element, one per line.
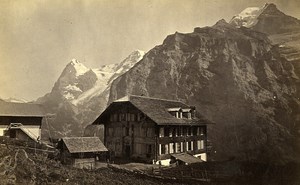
<point x="74" y="61"/>
<point x="248" y="17"/>
<point x="105" y="76"/>
<point x="80" y="69"/>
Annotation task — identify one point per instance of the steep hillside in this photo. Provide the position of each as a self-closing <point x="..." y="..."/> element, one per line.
<point x="80" y="94"/>
<point x="236" y="78"/>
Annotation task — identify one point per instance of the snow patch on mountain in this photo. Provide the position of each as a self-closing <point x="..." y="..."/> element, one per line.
<point x="72" y="88"/>
<point x="99" y="87"/>
<point x="15" y="100"/>
<point x="68" y="95"/>
<point x="79" y="67"/>
<point x="248" y="17"/>
<point x="105" y="76"/>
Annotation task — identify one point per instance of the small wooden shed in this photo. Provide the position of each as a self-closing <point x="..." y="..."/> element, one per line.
<point x="81" y="152"/>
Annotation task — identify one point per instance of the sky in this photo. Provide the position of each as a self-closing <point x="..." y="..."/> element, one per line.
<point x="38" y="38"/>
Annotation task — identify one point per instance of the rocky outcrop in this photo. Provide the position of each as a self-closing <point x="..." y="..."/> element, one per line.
<point x="236" y="78"/>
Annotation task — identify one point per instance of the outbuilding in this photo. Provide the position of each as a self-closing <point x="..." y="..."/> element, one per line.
<point x="81" y="152"/>
<point x="21" y="121"/>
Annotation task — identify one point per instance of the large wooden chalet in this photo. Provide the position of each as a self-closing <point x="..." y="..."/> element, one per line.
<point x="154" y="130"/>
<point x="21" y="120"/>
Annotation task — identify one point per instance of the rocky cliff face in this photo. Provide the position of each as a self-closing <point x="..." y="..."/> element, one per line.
<point x="236" y="78"/>
<point x="283" y="30"/>
<point x="80" y="95"/>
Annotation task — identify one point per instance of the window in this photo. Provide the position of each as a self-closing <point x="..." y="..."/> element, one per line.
<point x="122" y="117"/>
<point x="200" y="144"/>
<point x="189" y="115"/>
<point x="184" y="131"/>
<point x="176" y="131"/>
<point x="181" y="131"/>
<point x="200" y="131"/>
<point x="139" y="117"/>
<point x="113" y="117"/>
<point x="166" y="148"/>
<point x="195" y="131"/>
<point x="177" y="147"/>
<point x="171" y="148"/>
<point x="171" y="132"/>
<point x="189" y="145"/>
<point x="161" y="132"/>
<point x="110" y="131"/>
<point x="189" y="131"/>
<point x="117" y="131"/>
<point x="166" y="131"/>
<point x="181" y="147"/>
<point x="132" y="117"/>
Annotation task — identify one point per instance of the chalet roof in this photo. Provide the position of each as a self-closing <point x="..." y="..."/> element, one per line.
<point x="157" y="110"/>
<point x="187" y="158"/>
<point x="84" y="144"/>
<point x="21" y="109"/>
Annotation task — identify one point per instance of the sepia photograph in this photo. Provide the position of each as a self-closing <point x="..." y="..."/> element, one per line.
<point x="146" y="92"/>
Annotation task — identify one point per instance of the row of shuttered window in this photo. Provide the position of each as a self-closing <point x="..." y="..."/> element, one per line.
<point x="180" y="131"/>
<point x="125" y="117"/>
<point x="179" y="147"/>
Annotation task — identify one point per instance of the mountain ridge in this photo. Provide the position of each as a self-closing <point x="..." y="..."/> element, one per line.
<point x="81" y="93"/>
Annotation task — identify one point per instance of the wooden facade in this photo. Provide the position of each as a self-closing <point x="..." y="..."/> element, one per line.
<point x="136" y="129"/>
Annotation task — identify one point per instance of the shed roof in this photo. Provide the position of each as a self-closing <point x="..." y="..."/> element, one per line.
<point x="187" y="158"/>
<point x="84" y="144"/>
<point x="21" y="109"/>
<point x="157" y="110"/>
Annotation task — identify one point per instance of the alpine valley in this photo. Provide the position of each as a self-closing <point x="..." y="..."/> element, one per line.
<point x="242" y="75"/>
